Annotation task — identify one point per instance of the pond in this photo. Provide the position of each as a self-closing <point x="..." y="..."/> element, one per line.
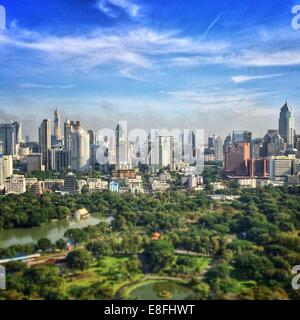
<point x="154" y="290"/>
<point x="53" y="231"/>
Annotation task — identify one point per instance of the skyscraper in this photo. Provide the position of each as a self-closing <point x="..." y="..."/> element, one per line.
<point x="273" y="144"/>
<point x="7" y="137"/>
<point x="7" y="166"/>
<point x="219" y="149"/>
<point x="166" y="152"/>
<point x="287" y="125"/>
<point x="57" y="130"/>
<point x="92" y="136"/>
<point x="121" y="147"/>
<point x="80" y="150"/>
<point x="237" y="159"/>
<point x="11" y="136"/>
<point x="242" y="136"/>
<point x="45" y="141"/>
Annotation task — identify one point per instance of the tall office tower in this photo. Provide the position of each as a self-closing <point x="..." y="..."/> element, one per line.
<point x="287" y="125"/>
<point x="71" y="183"/>
<point x="257" y="147"/>
<point x="80" y="150"/>
<point x="242" y="136"/>
<point x="297" y="143"/>
<point x="259" y="167"/>
<point x="57" y="130"/>
<point x="121" y="147"/>
<point x="45" y="141"/>
<point x="8" y="138"/>
<point x="273" y="144"/>
<point x="281" y="166"/>
<point x="59" y="159"/>
<point x="166" y="152"/>
<point x="227" y="142"/>
<point x="211" y="141"/>
<point x="92" y="136"/>
<point x="18" y="132"/>
<point x="187" y="142"/>
<point x="7" y="166"/>
<point x="219" y="148"/>
<point x="67" y="135"/>
<point x="35" y="162"/>
<point x="237" y="158"/>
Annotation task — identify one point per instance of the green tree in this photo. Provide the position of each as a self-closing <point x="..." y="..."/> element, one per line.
<point x="79" y="259"/>
<point x="159" y="254"/>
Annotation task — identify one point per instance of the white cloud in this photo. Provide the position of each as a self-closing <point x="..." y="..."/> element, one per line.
<point x="44" y="86"/>
<point x="113" y="8"/>
<point x="245" y="78"/>
<point x="134" y="47"/>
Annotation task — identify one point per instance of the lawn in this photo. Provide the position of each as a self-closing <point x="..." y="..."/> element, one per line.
<point x="109" y="270"/>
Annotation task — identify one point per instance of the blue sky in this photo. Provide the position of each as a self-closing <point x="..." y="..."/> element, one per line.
<point x="219" y="65"/>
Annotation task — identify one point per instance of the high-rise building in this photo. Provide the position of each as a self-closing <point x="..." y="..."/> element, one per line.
<point x="166" y="152"/>
<point x="71" y="183"/>
<point x="92" y="136"/>
<point x="45" y="141"/>
<point x="287" y="125"/>
<point x="67" y="135"/>
<point x="59" y="159"/>
<point x="281" y="166"/>
<point x="211" y="141"/>
<point x="121" y="147"/>
<point x="227" y="142"/>
<point x="259" y="167"/>
<point x="273" y="144"/>
<point x="7" y="166"/>
<point x="35" y="162"/>
<point x="57" y="129"/>
<point x="80" y="150"/>
<point x="257" y="148"/>
<point x="242" y="137"/>
<point x="11" y="137"/>
<point x="237" y="159"/>
<point x="219" y="149"/>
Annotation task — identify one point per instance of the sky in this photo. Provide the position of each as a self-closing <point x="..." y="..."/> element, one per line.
<point x="215" y="65"/>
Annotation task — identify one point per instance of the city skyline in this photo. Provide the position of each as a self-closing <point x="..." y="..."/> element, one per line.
<point x="122" y="60"/>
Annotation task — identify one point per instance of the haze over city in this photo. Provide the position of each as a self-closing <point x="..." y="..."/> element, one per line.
<point x="155" y="64"/>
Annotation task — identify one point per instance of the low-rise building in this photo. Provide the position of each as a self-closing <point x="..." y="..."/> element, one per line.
<point x="37" y="188"/>
<point x="52" y="184"/>
<point x="81" y="214"/>
<point x="30" y="182"/>
<point x="218" y="186"/>
<point x="16" y="184"/>
<point x="247" y="183"/>
<point x="160" y="186"/>
<point x="114" y="186"/>
<point x="97" y="185"/>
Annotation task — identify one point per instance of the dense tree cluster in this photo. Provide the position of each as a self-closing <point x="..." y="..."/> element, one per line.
<point x="252" y="243"/>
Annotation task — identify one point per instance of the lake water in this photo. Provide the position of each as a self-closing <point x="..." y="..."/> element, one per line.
<point x="53" y="231"/>
<point x="151" y="290"/>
